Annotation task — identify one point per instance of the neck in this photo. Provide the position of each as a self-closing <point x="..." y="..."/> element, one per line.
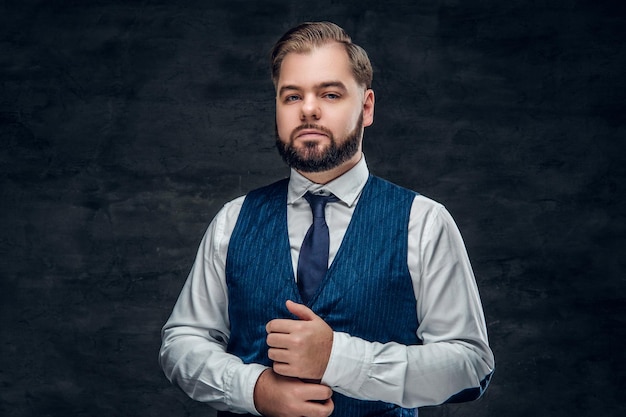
<point x="324" y="177"/>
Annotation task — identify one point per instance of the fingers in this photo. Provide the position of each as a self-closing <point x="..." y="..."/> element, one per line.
<point x="317" y="392"/>
<point x="281" y="355"/>
<point x="280" y="396"/>
<point x="300" y="311"/>
<point x="320" y="408"/>
<point x="291" y="370"/>
<point x="282" y="352"/>
<point x="319" y="399"/>
<point x="299" y="348"/>
<point x="283" y="326"/>
<point x="286" y="340"/>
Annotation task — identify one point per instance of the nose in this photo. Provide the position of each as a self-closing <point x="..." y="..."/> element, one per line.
<point x="310" y="109"/>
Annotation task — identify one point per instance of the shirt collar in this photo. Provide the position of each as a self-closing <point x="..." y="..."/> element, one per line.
<point x="347" y="187"/>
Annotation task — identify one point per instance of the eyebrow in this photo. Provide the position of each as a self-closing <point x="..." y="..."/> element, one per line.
<point x="320" y="86"/>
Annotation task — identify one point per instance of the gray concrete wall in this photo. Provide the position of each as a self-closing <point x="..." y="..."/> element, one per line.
<point x="125" y="125"/>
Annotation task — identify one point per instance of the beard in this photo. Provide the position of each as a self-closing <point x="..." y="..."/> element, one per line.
<point x="308" y="158"/>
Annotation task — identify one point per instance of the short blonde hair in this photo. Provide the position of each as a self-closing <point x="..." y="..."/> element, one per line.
<point x="309" y="35"/>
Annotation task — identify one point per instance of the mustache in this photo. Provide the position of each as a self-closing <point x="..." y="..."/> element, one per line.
<point x="314" y="126"/>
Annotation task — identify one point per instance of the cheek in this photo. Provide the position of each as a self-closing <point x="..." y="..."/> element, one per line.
<point x="283" y="125"/>
<point x="288" y="116"/>
<point x="349" y="122"/>
<point x="280" y="123"/>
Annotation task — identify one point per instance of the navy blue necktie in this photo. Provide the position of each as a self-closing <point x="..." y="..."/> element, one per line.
<point x="313" y="258"/>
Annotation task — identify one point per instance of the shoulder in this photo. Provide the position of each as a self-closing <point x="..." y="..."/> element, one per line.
<point x="224" y="221"/>
<point x="230" y="210"/>
<point x="423" y="205"/>
<point x="431" y="218"/>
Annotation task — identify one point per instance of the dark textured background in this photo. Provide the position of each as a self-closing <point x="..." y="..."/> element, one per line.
<point x="125" y="125"/>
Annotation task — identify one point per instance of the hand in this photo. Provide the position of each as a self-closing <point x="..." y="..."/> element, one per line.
<point x="300" y="348"/>
<point x="279" y="396"/>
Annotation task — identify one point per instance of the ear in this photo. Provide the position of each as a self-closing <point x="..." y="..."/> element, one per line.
<point x="368" y="107"/>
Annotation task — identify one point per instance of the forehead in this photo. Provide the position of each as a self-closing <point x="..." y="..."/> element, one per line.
<point x="322" y="64"/>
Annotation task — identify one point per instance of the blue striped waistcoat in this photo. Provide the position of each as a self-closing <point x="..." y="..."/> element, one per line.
<point x="367" y="291"/>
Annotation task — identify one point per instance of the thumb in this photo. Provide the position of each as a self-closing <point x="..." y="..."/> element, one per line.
<point x="301" y="311"/>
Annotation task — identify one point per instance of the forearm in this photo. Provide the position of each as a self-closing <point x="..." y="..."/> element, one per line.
<point x="194" y="339"/>
<point x="409" y="376"/>
<point x="204" y="371"/>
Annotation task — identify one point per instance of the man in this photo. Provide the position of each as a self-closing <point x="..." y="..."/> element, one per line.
<point x="366" y="306"/>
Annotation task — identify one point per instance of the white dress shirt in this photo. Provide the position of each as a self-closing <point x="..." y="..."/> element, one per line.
<point x="455" y="354"/>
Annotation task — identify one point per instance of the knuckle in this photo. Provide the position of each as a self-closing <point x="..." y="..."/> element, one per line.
<point x="271" y="354"/>
<point x="277" y="367"/>
<point x="296" y="342"/>
<point x="299" y="341"/>
<point x="301" y="391"/>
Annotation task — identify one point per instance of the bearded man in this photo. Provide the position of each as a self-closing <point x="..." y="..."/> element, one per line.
<point x="332" y="291"/>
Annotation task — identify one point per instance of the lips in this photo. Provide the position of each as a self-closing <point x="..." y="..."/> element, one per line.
<point x="310" y="132"/>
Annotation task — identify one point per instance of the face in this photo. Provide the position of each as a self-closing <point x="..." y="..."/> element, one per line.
<point x="321" y="110"/>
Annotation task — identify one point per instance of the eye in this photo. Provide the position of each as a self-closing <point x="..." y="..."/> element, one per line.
<point x="291" y="98"/>
<point x="332" y="96"/>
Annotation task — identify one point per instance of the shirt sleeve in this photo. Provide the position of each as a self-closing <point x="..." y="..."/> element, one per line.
<point x="454" y="363"/>
<point x="194" y="339"/>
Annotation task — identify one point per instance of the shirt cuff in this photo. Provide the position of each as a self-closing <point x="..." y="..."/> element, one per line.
<point x="240" y="383"/>
<point x="348" y="364"/>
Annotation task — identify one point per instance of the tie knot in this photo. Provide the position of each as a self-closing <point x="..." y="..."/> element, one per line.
<point x="318" y="203"/>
